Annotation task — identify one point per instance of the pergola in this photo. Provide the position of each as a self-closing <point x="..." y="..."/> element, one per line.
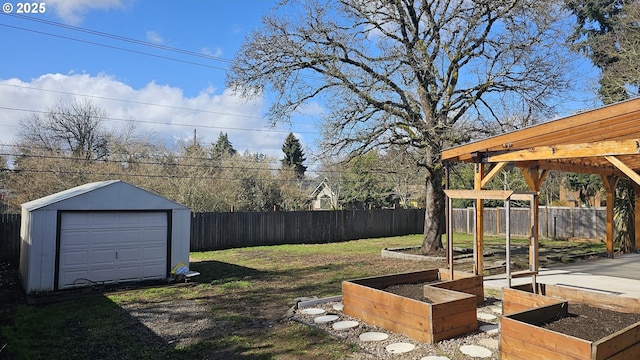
<point x="604" y="141"/>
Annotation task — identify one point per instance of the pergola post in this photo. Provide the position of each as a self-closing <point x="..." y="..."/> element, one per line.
<point x="479" y="228"/>
<point x="636" y="191"/>
<point x="609" y="183"/>
<point x="534" y="178"/>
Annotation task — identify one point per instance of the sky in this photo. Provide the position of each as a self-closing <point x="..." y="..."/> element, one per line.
<point x="116" y="54"/>
<point x="157" y="64"/>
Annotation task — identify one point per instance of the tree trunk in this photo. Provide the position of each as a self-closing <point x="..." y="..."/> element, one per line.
<point x="434" y="209"/>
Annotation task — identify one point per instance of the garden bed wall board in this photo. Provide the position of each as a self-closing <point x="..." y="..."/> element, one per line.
<point x="449" y="313"/>
<point x="522" y="337"/>
<point x="521" y="297"/>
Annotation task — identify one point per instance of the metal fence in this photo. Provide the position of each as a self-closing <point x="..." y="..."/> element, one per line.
<point x="554" y="222"/>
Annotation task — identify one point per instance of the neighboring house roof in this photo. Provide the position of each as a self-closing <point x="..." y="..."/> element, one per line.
<point x="324" y="183"/>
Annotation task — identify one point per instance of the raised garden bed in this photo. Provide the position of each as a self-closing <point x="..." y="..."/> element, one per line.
<point x="549" y="329"/>
<point x="447" y="309"/>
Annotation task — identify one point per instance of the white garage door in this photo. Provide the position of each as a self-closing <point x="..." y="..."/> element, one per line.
<point x="112" y="247"/>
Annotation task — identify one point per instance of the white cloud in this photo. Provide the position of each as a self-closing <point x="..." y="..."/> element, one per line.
<point x="161" y="109"/>
<point x="73" y="11"/>
<point x="154" y="37"/>
<point x="207" y="51"/>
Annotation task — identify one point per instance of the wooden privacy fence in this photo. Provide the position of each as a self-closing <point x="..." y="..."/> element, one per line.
<point x="554" y="222"/>
<point x="213" y="231"/>
<point x="9" y="236"/>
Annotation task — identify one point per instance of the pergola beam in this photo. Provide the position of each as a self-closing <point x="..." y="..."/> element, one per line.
<point x="568" y="151"/>
<point x="488" y="194"/>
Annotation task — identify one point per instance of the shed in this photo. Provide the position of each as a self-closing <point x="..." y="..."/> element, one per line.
<point x="101" y="232"/>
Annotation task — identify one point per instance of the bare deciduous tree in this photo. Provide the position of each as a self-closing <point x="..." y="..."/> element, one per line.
<point x="405" y="72"/>
<point x="74" y="129"/>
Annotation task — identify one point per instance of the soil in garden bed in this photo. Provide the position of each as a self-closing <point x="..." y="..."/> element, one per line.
<point x="591" y="323"/>
<point x="412" y="291"/>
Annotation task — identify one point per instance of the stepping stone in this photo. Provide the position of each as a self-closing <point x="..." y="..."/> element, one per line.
<point x="475" y="351"/>
<point x="373" y="336"/>
<point x="489" y="343"/>
<point x="325" y="319"/>
<point x="434" y="357"/>
<point x="338" y="307"/>
<point x="490" y="329"/>
<point x="496" y="309"/>
<point x="344" y="325"/>
<point x="399" y="348"/>
<point x="486" y="316"/>
<point x="312" y="311"/>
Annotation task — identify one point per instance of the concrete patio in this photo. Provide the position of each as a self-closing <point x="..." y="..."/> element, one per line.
<point x="618" y="276"/>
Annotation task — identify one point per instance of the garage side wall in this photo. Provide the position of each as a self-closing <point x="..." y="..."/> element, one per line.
<point x="25" y="249"/>
<point x="180" y="236"/>
<point x="39" y="240"/>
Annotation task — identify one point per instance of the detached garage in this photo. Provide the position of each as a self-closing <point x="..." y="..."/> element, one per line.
<point x="102" y="232"/>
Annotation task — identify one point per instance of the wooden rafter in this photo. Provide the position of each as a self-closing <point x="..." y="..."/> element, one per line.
<point x="492" y="173"/>
<point x="624" y="168"/>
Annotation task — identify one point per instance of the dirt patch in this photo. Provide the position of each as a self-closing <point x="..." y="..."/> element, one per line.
<point x="591" y="323"/>
<point x="411" y="291"/>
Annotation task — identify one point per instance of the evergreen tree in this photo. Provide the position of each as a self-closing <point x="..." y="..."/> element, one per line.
<point x="222" y="147"/>
<point x="607" y="32"/>
<point x="293" y="156"/>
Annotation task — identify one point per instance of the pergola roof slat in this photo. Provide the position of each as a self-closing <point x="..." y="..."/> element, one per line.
<point x="577" y="143"/>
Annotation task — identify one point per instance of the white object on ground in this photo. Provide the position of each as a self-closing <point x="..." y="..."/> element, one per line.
<point x="312" y="311"/>
<point x="325" y="319"/>
<point x="475" y="351"/>
<point x="344" y="325"/>
<point x="490" y="343"/>
<point x="399" y="348"/>
<point x="373" y="336"/>
<point x="486" y="316"/>
<point x="490" y="329"/>
<point x="338" y="307"/>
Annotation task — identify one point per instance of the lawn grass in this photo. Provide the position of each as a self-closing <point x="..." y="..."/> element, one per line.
<point x="246" y="291"/>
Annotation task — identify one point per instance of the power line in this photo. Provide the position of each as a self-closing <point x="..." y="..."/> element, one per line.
<point x="162" y="176"/>
<point x="123" y="38"/>
<point x="140" y="102"/>
<point x="171" y="162"/>
<point x="161" y="123"/>
<point x="114" y="47"/>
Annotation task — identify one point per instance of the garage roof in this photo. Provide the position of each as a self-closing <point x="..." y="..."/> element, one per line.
<point x="124" y="192"/>
<point x="602" y="141"/>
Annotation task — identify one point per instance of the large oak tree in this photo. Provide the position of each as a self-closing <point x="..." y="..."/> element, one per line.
<point x="415" y="73"/>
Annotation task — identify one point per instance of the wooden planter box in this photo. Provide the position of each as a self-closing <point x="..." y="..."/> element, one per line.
<point x="522" y="338"/>
<point x="451" y="313"/>
<point x="515" y="300"/>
